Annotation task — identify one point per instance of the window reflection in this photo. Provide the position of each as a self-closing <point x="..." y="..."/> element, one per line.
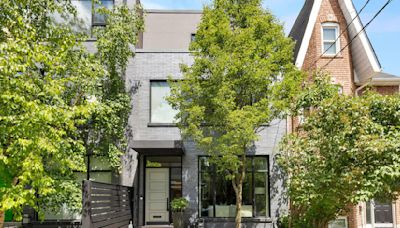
<point x="88" y="17"/>
<point x="176" y="183"/>
<point x="217" y="196"/>
<point x="161" y="110"/>
<point x="98" y="18"/>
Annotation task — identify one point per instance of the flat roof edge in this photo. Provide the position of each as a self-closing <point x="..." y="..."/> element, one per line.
<point x="161" y="51"/>
<point x="173" y="11"/>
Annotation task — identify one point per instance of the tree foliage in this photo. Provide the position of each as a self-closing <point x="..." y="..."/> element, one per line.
<point x="242" y="77"/>
<point x="115" y="44"/>
<point x="47" y="82"/>
<point x="347" y="151"/>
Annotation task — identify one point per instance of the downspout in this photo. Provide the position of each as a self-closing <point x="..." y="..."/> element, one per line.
<point x="362" y="87"/>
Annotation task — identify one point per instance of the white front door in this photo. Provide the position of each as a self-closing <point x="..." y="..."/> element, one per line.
<point x="157" y="193"/>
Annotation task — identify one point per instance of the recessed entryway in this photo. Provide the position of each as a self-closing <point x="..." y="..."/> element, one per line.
<point x="163" y="183"/>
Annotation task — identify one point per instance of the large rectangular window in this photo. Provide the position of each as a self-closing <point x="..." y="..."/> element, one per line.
<point x="161" y="111"/>
<point x="217" y="196"/>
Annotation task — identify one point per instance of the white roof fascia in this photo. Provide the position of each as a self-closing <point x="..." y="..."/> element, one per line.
<point x="308" y="33"/>
<point x="349" y="7"/>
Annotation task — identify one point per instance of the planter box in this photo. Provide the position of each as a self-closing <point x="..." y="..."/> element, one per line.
<point x="177" y="219"/>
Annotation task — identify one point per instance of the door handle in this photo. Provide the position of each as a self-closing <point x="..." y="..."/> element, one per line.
<point x="167" y="204"/>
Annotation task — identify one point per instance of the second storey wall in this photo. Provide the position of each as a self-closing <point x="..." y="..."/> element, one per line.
<point x="145" y="67"/>
<point x="340" y="68"/>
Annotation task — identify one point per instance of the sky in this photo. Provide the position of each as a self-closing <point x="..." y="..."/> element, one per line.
<point x="384" y="31"/>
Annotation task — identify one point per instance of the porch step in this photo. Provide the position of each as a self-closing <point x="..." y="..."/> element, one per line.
<point x="157" y="226"/>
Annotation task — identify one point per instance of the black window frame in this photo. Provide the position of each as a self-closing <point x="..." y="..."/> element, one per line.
<point x="213" y="188"/>
<point x="90" y="170"/>
<point x="93" y="13"/>
<point x="151" y="123"/>
<point x="192" y="37"/>
<point x="145" y="159"/>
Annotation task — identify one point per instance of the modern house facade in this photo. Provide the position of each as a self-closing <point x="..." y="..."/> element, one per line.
<point x="330" y="36"/>
<point x="162" y="166"/>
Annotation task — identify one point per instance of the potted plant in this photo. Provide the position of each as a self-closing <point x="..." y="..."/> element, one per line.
<point x="178" y="206"/>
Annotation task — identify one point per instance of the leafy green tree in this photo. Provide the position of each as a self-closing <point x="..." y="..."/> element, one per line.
<point x="241" y="79"/>
<point x="47" y="84"/>
<point x="115" y="44"/>
<point x="347" y="151"/>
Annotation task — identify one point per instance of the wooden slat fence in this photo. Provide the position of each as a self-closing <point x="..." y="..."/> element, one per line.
<point x="106" y="205"/>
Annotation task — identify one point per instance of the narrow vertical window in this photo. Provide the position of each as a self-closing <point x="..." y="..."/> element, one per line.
<point x="206" y="189"/>
<point x="330" y="41"/>
<point x="261" y="187"/>
<point x="192" y="37"/>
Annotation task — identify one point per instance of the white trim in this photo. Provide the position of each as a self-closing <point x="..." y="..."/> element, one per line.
<point x="394" y="214"/>
<point x="373" y="59"/>
<point x="307" y="35"/>
<point x="335" y="26"/>
<point x="372" y="212"/>
<point x="346" y="5"/>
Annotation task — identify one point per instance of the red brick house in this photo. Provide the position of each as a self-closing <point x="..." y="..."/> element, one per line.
<point x="329" y="36"/>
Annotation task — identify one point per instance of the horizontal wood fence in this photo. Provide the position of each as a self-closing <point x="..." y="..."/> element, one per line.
<point x="106" y="205"/>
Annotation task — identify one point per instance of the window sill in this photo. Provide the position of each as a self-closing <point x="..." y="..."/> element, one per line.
<point x="332" y="56"/>
<point x="161" y="125"/>
<point x="91" y="39"/>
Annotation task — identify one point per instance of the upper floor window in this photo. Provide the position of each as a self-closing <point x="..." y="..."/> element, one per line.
<point x="161" y="111"/>
<point x="192" y="37"/>
<point x="330" y="41"/>
<point x="99" y="19"/>
<point x="88" y="16"/>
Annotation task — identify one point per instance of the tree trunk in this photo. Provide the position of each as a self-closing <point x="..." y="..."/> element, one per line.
<point x="238" y="187"/>
<point x="1" y="219"/>
<point x="238" y="219"/>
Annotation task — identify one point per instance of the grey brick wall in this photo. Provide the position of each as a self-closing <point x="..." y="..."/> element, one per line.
<point x="146" y="66"/>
